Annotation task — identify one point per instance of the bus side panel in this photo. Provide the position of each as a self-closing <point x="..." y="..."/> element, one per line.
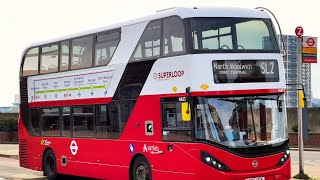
<point x="147" y="108"/>
<point x="160" y="175"/>
<point x="99" y="158"/>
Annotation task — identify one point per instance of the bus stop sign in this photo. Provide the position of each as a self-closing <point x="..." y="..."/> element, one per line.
<point x="299" y="31"/>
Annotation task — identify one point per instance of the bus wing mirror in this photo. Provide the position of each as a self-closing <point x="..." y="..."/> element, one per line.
<point x="185" y="111"/>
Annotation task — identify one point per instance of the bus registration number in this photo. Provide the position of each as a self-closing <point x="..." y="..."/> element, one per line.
<point x="256" y="178"/>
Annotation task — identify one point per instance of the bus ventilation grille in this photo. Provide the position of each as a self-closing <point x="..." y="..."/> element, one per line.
<point x="23" y="153"/>
<point x="24" y="90"/>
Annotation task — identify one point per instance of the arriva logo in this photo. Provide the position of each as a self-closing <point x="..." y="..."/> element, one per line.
<point x="152" y="149"/>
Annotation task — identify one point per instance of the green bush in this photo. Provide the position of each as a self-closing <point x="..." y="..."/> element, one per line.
<point x="295" y="128"/>
<point x="8" y="122"/>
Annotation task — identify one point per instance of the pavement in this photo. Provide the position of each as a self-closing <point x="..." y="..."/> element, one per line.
<point x="311" y="167"/>
<point x="9" y="151"/>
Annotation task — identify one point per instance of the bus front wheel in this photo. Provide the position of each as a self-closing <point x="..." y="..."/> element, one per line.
<point x="141" y="169"/>
<point x="49" y="165"/>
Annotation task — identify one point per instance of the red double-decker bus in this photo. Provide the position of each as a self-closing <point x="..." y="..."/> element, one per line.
<point x="186" y="93"/>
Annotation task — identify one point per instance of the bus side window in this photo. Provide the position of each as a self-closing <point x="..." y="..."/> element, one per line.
<point x="173" y="36"/>
<point x="82" y="52"/>
<point x="49" y="59"/>
<point x="35" y="121"/>
<point x="103" y="121"/>
<point x="51" y="122"/>
<point x="149" y="44"/>
<point x="31" y="61"/>
<point x="66" y="123"/>
<point x="106" y="45"/>
<point x="113" y="129"/>
<point x="64" y="56"/>
<point x="83" y="120"/>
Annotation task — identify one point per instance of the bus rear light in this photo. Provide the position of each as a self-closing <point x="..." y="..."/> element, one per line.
<point x="284" y="158"/>
<point x="209" y="160"/>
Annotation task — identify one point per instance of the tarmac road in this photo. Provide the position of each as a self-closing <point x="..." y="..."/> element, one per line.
<point x="9" y="168"/>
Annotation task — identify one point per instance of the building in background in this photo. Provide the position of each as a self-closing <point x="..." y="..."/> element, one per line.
<point x="290" y="65"/>
<point x="16" y="104"/>
<point x="15" y="108"/>
<point x="5" y="109"/>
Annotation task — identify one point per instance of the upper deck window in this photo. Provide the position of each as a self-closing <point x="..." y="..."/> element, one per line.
<point x="233" y="35"/>
<point x="64" y="56"/>
<point x="49" y="59"/>
<point x="149" y="44"/>
<point x="106" y="45"/>
<point x="173" y="36"/>
<point x="30" y="66"/>
<point x="82" y="52"/>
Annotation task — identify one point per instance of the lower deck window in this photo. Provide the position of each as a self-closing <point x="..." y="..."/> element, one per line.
<point x="35" y="122"/>
<point x="51" y="122"/>
<point x="83" y="121"/>
<point x="66" y="123"/>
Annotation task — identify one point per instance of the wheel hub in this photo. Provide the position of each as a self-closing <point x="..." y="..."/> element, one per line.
<point x="51" y="164"/>
<point x="142" y="172"/>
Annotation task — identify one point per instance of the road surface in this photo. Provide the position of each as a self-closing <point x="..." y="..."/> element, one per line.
<point x="9" y="168"/>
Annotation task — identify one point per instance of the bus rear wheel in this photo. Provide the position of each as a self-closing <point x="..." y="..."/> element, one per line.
<point x="49" y="165"/>
<point x="141" y="169"/>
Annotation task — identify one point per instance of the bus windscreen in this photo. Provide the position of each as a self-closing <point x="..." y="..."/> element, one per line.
<point x="245" y="71"/>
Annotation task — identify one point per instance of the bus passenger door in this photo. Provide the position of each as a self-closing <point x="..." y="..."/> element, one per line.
<point x="176" y="130"/>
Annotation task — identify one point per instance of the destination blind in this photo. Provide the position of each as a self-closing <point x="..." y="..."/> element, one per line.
<point x="245" y="71"/>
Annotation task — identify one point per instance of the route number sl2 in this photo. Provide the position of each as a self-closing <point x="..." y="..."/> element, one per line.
<point x="267" y="67"/>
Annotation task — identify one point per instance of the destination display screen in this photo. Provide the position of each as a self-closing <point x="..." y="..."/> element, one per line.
<point x="245" y="71"/>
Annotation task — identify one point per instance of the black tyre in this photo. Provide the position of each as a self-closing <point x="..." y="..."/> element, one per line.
<point x="141" y="169"/>
<point x="49" y="165"/>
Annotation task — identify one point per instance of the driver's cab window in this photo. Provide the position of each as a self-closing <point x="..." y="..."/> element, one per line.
<point x="175" y="128"/>
<point x="49" y="59"/>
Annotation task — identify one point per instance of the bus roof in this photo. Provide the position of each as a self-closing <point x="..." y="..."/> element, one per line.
<point x="183" y="12"/>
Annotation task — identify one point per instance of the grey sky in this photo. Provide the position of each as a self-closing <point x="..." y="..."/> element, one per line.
<point x="25" y="22"/>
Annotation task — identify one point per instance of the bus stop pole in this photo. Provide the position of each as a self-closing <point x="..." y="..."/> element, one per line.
<point x="299" y="109"/>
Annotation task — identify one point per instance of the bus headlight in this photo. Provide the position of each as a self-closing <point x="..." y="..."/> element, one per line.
<point x="209" y="160"/>
<point x="284" y="158"/>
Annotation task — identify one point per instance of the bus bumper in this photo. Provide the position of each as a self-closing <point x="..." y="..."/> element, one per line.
<point x="278" y="173"/>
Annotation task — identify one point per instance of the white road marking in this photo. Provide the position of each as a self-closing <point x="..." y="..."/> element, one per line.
<point x="310" y="162"/>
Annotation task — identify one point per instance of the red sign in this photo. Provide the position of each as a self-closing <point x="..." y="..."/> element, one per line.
<point x="310" y="42"/>
<point x="309" y="49"/>
<point x="309" y="58"/>
<point x="299" y="31"/>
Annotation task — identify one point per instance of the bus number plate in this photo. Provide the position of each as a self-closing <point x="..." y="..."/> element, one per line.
<point x="256" y="178"/>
